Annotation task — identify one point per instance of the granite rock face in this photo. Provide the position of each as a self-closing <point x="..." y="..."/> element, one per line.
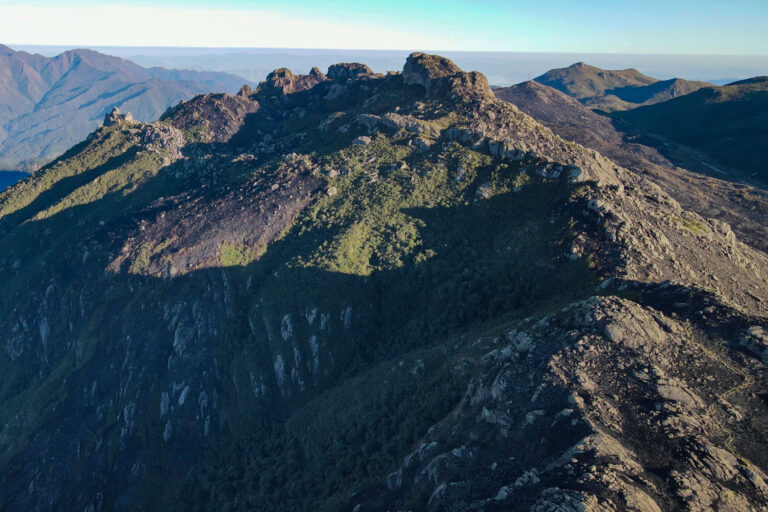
<point x="425" y="70"/>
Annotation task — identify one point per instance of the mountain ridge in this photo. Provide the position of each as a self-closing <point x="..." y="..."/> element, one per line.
<point x="614" y="90"/>
<point x="726" y="125"/>
<point x="709" y="197"/>
<point x="48" y="104"/>
<point x="371" y="292"/>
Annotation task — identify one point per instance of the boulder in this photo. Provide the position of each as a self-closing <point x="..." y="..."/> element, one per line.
<point x="246" y="91"/>
<point x="347" y="70"/>
<point x="422" y="145"/>
<point x="396" y="121"/>
<point x="336" y="91"/>
<point x="425" y="70"/>
<point x="576" y="174"/>
<point x="755" y="340"/>
<point x="361" y="141"/>
<point x="368" y="121"/>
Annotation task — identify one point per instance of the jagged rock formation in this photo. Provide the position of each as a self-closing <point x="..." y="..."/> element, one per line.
<point x="348" y="70"/>
<point x="372" y="292"/>
<point x="115" y="117"/>
<point x="283" y="81"/>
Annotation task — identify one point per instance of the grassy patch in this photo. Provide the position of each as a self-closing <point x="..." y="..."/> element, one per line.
<point x="145" y="253"/>
<point x="691" y="225"/>
<point x="233" y="255"/>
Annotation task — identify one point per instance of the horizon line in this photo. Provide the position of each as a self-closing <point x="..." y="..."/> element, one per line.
<point x="432" y="51"/>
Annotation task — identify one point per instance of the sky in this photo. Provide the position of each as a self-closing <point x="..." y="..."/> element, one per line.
<point x="737" y="27"/>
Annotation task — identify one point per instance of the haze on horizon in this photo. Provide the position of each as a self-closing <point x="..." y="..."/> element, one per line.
<point x="599" y="26"/>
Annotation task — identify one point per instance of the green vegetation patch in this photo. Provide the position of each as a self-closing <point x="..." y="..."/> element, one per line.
<point x="691" y="225"/>
<point x="233" y="255"/>
<point x="145" y="253"/>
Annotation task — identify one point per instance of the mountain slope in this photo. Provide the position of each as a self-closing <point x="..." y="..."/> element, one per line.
<point x="48" y="104"/>
<point x="609" y="90"/>
<point x="351" y="291"/>
<point x="727" y="125"/>
<point x="744" y="208"/>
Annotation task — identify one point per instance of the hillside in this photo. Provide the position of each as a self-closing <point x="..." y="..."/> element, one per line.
<point x="725" y="126"/>
<point x="363" y="292"/>
<point x="703" y="191"/>
<point x="49" y="104"/>
<point x="612" y="90"/>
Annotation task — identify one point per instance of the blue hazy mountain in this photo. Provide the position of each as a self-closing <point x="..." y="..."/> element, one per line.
<point x="501" y="68"/>
<point x="47" y="104"/>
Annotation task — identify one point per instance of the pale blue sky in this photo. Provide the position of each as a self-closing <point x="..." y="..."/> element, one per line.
<point x="737" y="27"/>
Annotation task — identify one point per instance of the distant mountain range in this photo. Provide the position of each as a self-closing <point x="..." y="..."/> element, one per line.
<point x="611" y="90"/>
<point x="728" y="125"/>
<point x="568" y="118"/>
<point x="720" y="131"/>
<point x="49" y="104"/>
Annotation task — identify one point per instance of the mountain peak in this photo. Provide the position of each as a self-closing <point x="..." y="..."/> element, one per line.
<point x="425" y="69"/>
<point x="581" y="80"/>
<point x="753" y="80"/>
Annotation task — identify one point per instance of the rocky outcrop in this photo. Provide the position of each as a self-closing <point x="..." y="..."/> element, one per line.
<point x="246" y="91"/>
<point x="427" y="70"/>
<point x="115" y="117"/>
<point x="283" y="81"/>
<point x="570" y="415"/>
<point x="211" y="117"/>
<point x="348" y="70"/>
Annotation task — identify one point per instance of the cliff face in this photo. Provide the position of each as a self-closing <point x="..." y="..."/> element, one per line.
<point x="363" y="292"/>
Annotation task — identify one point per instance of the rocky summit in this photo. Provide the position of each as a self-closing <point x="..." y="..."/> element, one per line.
<point x="364" y="292"/>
